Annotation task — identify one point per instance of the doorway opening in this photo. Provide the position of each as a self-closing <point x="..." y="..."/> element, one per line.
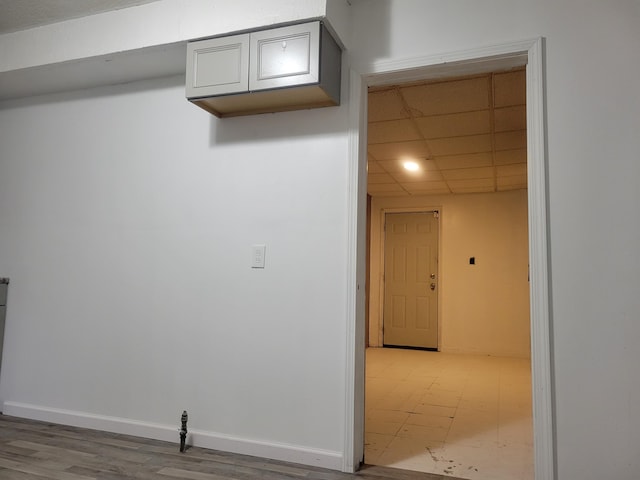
<point x="471" y="63"/>
<point x="467" y="411"/>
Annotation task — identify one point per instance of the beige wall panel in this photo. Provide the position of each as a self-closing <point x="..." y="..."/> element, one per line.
<point x="484" y="307"/>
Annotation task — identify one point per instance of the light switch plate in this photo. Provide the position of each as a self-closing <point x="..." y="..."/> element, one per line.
<point x="257" y="256"/>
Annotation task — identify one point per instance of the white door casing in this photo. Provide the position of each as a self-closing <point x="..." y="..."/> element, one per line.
<point x="477" y="60"/>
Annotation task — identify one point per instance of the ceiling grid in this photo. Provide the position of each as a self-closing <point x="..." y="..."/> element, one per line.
<point x="467" y="134"/>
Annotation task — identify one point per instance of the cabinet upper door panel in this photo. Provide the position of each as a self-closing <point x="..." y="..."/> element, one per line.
<point x="285" y="56"/>
<point x="218" y="66"/>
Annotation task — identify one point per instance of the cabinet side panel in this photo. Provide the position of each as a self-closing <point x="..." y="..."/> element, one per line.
<point x="330" y="65"/>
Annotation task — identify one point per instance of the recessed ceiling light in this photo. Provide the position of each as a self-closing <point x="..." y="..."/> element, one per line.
<point x="411" y="166"/>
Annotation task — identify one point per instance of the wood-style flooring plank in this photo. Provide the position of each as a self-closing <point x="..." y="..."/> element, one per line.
<point x="49" y="471"/>
<point x="13" y="475"/>
<point x="43" y="451"/>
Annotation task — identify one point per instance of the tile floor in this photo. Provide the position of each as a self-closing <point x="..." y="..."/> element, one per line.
<point x="466" y="416"/>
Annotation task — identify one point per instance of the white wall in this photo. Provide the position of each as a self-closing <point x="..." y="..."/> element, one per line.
<point x="484" y="308"/>
<point x="127" y="216"/>
<point x="593" y="109"/>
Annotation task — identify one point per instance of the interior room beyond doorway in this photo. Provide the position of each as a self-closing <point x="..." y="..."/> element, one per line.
<point x="467" y="137"/>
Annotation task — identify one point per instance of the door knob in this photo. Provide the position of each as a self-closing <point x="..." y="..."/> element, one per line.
<point x="433" y="286"/>
<point x="433" y="276"/>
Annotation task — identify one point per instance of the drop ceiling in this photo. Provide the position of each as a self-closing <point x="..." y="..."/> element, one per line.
<point x="468" y="135"/>
<point x="24" y="14"/>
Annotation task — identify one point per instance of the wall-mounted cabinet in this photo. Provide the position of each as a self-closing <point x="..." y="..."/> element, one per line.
<point x="287" y="68"/>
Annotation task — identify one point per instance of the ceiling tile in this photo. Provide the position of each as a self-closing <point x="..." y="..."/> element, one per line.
<point x="389" y="194"/>
<point x="455" y="125"/>
<point x="510" y="118"/>
<point x="462" y="150"/>
<point x="509" y="88"/>
<point x="426" y="188"/>
<point x="504" y="188"/>
<point x="404" y="176"/>
<point x="380" y="178"/>
<point x="480" y="189"/>
<point x="468" y="173"/>
<point x="512" y="182"/>
<point x="505" y="157"/>
<point x="448" y="97"/>
<point x="387" y="151"/>
<point x="386" y="105"/>
<point x="513" y="169"/>
<point x="464" y="161"/>
<point x="471" y="183"/>
<point x="460" y="145"/>
<point x="511" y="140"/>
<point x="394" y="166"/>
<point x="392" y="131"/>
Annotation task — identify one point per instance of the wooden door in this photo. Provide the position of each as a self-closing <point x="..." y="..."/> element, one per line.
<point x="411" y="280"/>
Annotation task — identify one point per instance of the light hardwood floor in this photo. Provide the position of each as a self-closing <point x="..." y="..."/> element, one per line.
<point x="37" y="450"/>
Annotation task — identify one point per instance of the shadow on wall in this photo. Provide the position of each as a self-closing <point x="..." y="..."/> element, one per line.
<point x="278" y="126"/>
<point x="133" y="87"/>
<point x="376" y="14"/>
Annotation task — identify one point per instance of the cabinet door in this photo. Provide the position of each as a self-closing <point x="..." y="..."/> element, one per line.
<point x="218" y="66"/>
<point x="285" y="56"/>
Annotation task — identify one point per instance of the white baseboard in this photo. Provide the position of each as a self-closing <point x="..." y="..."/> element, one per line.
<point x="197" y="438"/>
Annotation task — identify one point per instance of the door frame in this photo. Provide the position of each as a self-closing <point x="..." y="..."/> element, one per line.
<point x="472" y="61"/>
<point x="382" y="283"/>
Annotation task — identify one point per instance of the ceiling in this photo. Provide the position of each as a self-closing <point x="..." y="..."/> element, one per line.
<point x="24" y="14"/>
<point x="467" y="135"/>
